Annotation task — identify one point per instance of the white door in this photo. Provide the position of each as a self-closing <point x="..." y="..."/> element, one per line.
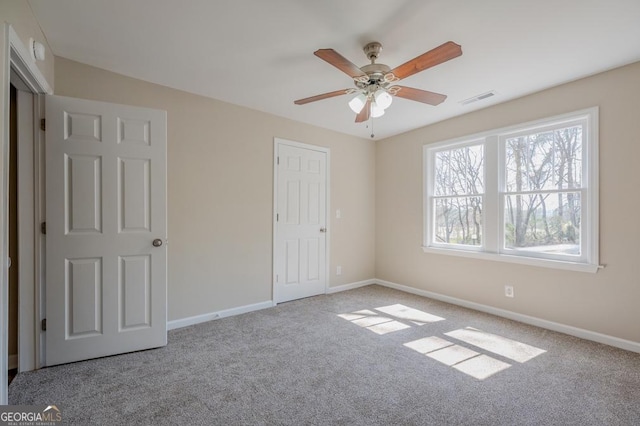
<point x="106" y="208"/>
<point x="301" y="222"/>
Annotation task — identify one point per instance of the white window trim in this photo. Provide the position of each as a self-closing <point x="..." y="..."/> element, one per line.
<point x="492" y="241"/>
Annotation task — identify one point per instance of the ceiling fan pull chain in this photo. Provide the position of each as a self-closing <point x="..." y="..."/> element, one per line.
<point x="372" y="128"/>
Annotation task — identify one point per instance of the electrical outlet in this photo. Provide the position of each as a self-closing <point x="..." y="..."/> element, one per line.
<point x="338" y="214"/>
<point x="508" y="291"/>
<point x="338" y="270"/>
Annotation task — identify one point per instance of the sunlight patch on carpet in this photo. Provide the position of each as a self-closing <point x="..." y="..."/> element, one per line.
<point x="369" y="321"/>
<point x="396" y="317"/>
<point x="451" y="355"/>
<point x="388" y="327"/>
<point x="415" y="316"/>
<point x="468" y="361"/>
<point x="465" y="360"/>
<point x="356" y="315"/>
<point x="376" y="323"/>
<point x="481" y="367"/>
<point x="428" y="344"/>
<point x="512" y="349"/>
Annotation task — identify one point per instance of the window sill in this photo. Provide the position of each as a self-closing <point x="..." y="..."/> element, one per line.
<point x="531" y="261"/>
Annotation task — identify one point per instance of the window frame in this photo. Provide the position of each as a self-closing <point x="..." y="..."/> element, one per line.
<point x="492" y="246"/>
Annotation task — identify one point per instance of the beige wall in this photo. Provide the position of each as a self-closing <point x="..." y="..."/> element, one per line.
<point x="220" y="180"/>
<point x="606" y="302"/>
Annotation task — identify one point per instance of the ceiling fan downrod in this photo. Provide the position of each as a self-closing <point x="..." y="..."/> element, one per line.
<point x="372" y="50"/>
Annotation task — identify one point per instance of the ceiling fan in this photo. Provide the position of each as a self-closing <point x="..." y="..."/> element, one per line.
<point x="374" y="81"/>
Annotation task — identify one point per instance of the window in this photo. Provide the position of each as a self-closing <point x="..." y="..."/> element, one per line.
<point x="458" y="198"/>
<point x="524" y="194"/>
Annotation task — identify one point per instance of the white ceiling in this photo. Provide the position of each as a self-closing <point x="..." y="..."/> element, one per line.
<point x="259" y="54"/>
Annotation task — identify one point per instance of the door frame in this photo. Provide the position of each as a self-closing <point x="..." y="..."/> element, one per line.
<point x="16" y="61"/>
<point x="277" y="142"/>
<point x="30" y="240"/>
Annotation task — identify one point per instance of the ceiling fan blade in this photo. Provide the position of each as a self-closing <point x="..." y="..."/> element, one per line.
<point x="440" y="54"/>
<point x="363" y="115"/>
<point x="342" y="63"/>
<point x="321" y="97"/>
<point x="423" y="96"/>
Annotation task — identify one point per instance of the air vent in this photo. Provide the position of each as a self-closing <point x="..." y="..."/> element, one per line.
<point x="478" y="98"/>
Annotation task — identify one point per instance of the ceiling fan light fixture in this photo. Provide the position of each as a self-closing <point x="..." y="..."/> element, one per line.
<point x="383" y="98"/>
<point x="376" y="110"/>
<point x="356" y="104"/>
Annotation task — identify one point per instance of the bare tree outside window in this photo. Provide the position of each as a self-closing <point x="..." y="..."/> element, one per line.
<point x="542" y="200"/>
<point x="459" y="189"/>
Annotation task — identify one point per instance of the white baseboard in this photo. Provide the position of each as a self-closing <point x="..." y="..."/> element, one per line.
<point x="538" y="322"/>
<point x="185" y="322"/>
<point x="12" y="361"/>
<point x="350" y="286"/>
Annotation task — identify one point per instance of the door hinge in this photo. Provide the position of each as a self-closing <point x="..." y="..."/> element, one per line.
<point x="276" y="277"/>
<point x="278" y="160"/>
<point x="43" y="325"/>
<point x="43" y="124"/>
<point x="277" y="217"/>
<point x="43" y="228"/>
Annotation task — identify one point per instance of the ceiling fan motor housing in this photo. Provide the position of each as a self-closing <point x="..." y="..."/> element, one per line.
<point x="375" y="72"/>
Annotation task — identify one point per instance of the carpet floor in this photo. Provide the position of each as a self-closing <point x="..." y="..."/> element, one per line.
<point x="370" y="356"/>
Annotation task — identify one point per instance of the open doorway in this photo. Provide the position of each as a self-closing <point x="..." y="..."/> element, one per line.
<point x="21" y="225"/>
<point x="24" y="245"/>
<point x="13" y="235"/>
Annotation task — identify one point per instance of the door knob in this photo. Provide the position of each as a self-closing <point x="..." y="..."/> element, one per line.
<point x="157" y="242"/>
<point x="323" y="229"/>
